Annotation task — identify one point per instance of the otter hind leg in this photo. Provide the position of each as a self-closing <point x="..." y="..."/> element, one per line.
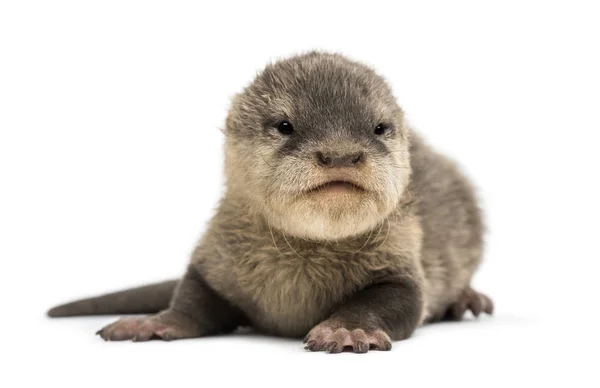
<point x="469" y="300"/>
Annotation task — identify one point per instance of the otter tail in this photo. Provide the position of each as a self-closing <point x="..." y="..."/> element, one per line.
<point x="147" y="299"/>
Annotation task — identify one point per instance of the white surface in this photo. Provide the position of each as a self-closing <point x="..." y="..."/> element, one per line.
<point x="110" y="162"/>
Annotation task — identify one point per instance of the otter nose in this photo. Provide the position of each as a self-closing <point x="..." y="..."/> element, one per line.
<point x="332" y="160"/>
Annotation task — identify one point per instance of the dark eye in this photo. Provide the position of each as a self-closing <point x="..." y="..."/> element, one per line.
<point x="380" y="129"/>
<point x="285" y="127"/>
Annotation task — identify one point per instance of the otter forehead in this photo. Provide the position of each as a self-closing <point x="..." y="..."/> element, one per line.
<point x="324" y="84"/>
<point x="321" y="94"/>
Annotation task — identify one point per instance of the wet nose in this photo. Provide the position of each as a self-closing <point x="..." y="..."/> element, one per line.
<point x="332" y="160"/>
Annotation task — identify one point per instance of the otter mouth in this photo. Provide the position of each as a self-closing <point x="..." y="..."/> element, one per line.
<point x="337" y="186"/>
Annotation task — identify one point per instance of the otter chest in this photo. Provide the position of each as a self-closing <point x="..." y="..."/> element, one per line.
<point x="291" y="292"/>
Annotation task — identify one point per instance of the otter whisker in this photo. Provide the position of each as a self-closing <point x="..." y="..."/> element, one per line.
<point x="273" y="238"/>
<point x="366" y="242"/>
<point x="379" y="231"/>
<point x="386" y="234"/>
<point x="290" y="245"/>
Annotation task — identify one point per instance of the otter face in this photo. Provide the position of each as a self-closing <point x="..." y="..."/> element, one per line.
<point x="318" y="144"/>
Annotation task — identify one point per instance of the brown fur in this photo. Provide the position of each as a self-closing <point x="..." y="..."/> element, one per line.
<point x="283" y="257"/>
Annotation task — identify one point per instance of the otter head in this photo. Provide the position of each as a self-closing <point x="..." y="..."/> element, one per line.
<point x="318" y="146"/>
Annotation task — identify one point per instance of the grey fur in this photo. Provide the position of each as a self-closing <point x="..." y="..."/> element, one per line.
<point x="287" y="252"/>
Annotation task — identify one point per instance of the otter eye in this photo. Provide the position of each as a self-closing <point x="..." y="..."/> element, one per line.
<point x="380" y="129"/>
<point x="285" y="128"/>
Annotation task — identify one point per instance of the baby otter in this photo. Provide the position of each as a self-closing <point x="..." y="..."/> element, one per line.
<point x="338" y="223"/>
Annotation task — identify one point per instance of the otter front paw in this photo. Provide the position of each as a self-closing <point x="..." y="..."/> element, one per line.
<point x="335" y="337"/>
<point x="166" y="326"/>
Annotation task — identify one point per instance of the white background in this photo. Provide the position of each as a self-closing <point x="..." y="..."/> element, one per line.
<point x="110" y="163"/>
